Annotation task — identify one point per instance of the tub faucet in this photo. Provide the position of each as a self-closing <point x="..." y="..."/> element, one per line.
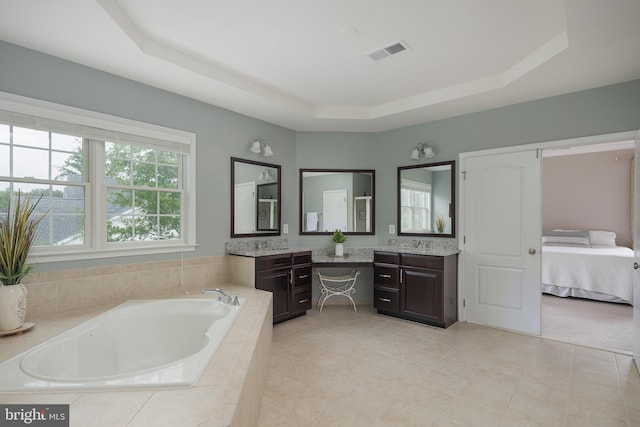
<point x="226" y="299"/>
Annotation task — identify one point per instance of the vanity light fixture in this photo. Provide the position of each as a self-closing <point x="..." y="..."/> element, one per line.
<point x="423" y="149"/>
<point x="256" y="147"/>
<point x="266" y="175"/>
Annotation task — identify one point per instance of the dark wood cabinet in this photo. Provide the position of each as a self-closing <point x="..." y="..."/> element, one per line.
<point x="386" y="284"/>
<point x="422" y="288"/>
<point x="288" y="278"/>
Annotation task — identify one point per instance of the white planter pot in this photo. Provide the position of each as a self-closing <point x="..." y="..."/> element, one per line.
<point x="13" y="306"/>
<point x="339" y="249"/>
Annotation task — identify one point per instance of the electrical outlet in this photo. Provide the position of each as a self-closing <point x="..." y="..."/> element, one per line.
<point x="392" y="229"/>
<point x="285" y="228"/>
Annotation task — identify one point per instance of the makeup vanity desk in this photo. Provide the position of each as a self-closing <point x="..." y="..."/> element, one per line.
<point x="418" y="284"/>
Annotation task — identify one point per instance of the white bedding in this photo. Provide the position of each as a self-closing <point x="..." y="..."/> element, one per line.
<point x="601" y="270"/>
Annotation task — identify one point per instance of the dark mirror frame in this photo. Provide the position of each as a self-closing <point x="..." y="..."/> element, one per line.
<point x="278" y="168"/>
<point x="373" y="201"/>
<point x="452" y="204"/>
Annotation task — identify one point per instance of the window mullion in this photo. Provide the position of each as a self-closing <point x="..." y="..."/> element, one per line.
<point x="98" y="208"/>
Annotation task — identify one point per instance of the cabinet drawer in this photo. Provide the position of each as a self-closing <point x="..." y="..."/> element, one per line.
<point x="386" y="257"/>
<point x="386" y="300"/>
<point x="424" y="261"/>
<point x="385" y="275"/>
<point x="301" y="258"/>
<point x="273" y="261"/>
<point x="301" y="276"/>
<point x="301" y="301"/>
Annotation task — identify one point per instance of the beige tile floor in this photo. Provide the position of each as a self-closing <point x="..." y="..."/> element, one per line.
<point x="340" y="368"/>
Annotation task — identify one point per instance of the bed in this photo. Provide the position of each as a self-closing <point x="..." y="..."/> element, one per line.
<point x="594" y="271"/>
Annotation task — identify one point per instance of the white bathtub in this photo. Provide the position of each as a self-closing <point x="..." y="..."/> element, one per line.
<point x="141" y="343"/>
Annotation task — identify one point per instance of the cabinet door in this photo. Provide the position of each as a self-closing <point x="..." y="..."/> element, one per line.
<point x="421" y="294"/>
<point x="277" y="282"/>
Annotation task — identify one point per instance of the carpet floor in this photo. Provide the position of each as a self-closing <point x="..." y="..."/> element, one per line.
<point x="602" y="325"/>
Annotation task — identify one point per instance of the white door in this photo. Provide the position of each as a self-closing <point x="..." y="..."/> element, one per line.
<point x="244" y="209"/>
<point x="334" y="210"/>
<point x="636" y="249"/>
<point x="501" y="242"/>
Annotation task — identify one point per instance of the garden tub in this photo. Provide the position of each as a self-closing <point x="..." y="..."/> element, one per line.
<point x="138" y="344"/>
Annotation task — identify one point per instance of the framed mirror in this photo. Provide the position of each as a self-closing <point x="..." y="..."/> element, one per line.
<point x="255" y="198"/>
<point x="333" y="199"/>
<point x="426" y="200"/>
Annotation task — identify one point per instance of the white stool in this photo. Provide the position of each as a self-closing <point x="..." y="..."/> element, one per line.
<point x="337" y="285"/>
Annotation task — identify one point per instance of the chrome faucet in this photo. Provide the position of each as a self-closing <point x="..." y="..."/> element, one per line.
<point x="226" y="299"/>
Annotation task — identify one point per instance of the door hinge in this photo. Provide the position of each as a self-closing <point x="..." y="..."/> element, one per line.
<point x="464" y="175"/>
<point x="464" y="302"/>
<point x="464" y="240"/>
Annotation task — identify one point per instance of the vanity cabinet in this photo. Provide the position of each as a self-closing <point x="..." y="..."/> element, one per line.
<point x="386" y="284"/>
<point x="288" y="278"/>
<point x="422" y="288"/>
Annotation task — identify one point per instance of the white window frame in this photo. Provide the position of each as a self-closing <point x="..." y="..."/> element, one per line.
<point x="111" y="126"/>
<point x="410" y="184"/>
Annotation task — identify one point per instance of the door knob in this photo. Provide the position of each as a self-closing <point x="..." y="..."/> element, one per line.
<point x="636" y="266"/>
<point x="532" y="251"/>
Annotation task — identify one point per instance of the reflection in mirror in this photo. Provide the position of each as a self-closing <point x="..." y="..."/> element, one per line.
<point x="255" y="198"/>
<point x="333" y="199"/>
<point x="426" y="200"/>
<point x="267" y="207"/>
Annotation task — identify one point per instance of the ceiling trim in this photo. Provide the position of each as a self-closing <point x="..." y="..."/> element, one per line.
<point x="159" y="49"/>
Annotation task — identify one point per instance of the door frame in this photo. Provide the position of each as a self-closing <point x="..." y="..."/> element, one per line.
<point x="562" y="143"/>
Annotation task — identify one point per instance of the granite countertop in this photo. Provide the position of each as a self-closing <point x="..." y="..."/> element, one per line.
<point x="352" y="255"/>
<point x="441" y="251"/>
<point x="254" y="252"/>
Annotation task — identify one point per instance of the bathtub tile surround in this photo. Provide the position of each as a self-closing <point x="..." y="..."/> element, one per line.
<point x="228" y="393"/>
<point x="61" y="291"/>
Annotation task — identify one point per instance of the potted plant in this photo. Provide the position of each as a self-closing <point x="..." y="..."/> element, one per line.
<point x="339" y="238"/>
<point x="440" y="223"/>
<point x="18" y="228"/>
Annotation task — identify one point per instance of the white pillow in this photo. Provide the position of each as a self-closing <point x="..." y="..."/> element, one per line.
<point x="602" y="238"/>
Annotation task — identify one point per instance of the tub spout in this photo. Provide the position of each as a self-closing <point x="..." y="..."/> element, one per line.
<point x="226" y="299"/>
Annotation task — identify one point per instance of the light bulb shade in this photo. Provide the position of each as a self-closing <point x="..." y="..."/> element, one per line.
<point x="428" y="151"/>
<point x="415" y="154"/>
<point x="255" y="147"/>
<point x="268" y="152"/>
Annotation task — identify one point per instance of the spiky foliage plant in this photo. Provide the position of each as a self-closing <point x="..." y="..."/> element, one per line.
<point x="440" y="223"/>
<point x="338" y="236"/>
<point x="17" y="235"/>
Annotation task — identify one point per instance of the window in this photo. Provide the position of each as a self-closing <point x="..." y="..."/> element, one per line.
<point x="108" y="186"/>
<point x="415" y="206"/>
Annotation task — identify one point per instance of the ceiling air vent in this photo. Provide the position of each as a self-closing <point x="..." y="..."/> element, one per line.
<point x="388" y="50"/>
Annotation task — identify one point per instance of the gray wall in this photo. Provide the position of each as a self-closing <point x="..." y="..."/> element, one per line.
<point x="222" y="134"/>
